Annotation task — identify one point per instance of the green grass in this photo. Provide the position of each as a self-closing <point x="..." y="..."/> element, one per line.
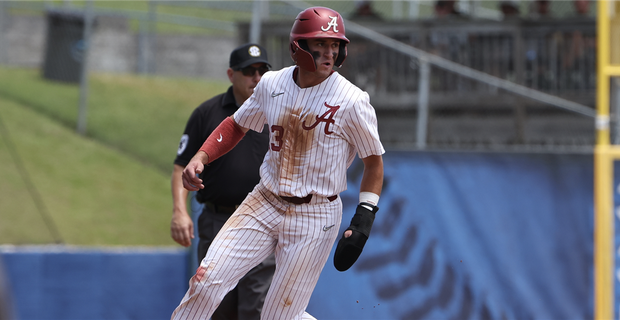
<point x="143" y="117"/>
<point x="110" y="187"/>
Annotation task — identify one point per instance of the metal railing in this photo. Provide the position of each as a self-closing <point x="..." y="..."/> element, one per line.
<point x="539" y="74"/>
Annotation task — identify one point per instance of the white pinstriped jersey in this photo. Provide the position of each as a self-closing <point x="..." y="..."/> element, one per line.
<point x="315" y="132"/>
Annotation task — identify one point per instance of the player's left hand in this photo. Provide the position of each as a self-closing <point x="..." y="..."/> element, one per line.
<point x="353" y="240"/>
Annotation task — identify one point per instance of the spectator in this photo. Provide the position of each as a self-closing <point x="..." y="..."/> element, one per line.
<point x="445" y="8"/>
<point x="509" y="8"/>
<point x="578" y="50"/>
<point x="582" y="7"/>
<point x="541" y="9"/>
<point x="365" y="11"/>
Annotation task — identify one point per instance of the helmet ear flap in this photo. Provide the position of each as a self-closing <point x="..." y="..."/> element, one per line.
<point x="302" y="57"/>
<point x="342" y="54"/>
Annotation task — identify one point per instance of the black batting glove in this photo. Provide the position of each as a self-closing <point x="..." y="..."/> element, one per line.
<point x="349" y="249"/>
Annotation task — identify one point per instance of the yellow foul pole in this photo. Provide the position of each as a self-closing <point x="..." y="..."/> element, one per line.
<point x="603" y="175"/>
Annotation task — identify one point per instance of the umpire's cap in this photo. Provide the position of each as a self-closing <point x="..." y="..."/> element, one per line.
<point x="246" y="55"/>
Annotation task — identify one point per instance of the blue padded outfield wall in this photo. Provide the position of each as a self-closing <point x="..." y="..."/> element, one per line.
<point x="95" y="284"/>
<point x="457" y="236"/>
<point x="471" y="236"/>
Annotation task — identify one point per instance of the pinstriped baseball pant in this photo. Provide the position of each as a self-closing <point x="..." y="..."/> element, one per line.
<point x="301" y="236"/>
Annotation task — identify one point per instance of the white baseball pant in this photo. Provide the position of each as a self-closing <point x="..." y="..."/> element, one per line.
<point x="301" y="236"/>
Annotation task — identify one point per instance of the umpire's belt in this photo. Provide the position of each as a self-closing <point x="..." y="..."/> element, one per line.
<point x="306" y="199"/>
<point x="221" y="209"/>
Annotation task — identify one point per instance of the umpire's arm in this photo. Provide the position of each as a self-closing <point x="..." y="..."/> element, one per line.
<point x="181" y="225"/>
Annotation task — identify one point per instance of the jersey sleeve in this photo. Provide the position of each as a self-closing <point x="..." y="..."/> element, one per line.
<point x="361" y="128"/>
<point x="250" y="115"/>
<point x="191" y="140"/>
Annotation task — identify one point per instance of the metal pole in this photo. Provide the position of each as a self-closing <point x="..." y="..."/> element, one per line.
<point x="257" y="14"/>
<point x="414" y="9"/>
<point x="474" y="9"/>
<point x="614" y="122"/>
<point x="604" y="228"/>
<point x="423" y="94"/>
<point x="265" y="12"/>
<point x="397" y="9"/>
<point x="3" y="41"/>
<point x="196" y="210"/>
<point x="150" y="39"/>
<point x="82" y="111"/>
<point x="142" y="46"/>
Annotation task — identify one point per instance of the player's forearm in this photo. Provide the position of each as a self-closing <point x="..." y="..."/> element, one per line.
<point x="179" y="193"/>
<point x="372" y="180"/>
<point x="223" y="139"/>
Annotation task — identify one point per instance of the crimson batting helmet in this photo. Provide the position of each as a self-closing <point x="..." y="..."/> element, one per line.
<point x="312" y="23"/>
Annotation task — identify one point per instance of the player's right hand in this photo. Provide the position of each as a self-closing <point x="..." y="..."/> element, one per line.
<point x="182" y="228"/>
<point x="191" y="181"/>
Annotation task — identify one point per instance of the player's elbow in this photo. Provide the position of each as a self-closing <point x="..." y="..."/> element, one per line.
<point x="245" y="130"/>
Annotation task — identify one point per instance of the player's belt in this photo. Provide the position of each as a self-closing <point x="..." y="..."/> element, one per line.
<point x="221" y="209"/>
<point x="306" y="199"/>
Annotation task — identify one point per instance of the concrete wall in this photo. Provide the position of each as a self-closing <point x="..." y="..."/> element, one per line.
<point x="117" y="48"/>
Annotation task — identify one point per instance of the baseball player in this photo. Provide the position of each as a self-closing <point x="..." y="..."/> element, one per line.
<point x="318" y="121"/>
<point x="227" y="181"/>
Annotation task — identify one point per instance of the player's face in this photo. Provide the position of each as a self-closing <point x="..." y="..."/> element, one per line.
<point x="244" y="80"/>
<point x="325" y="52"/>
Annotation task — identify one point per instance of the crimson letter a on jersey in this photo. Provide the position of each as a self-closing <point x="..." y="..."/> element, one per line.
<point x="326" y="117"/>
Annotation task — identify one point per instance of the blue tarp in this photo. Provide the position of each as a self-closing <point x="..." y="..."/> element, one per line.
<point x="100" y="284"/>
<point x="457" y="236"/>
<point x="470" y="236"/>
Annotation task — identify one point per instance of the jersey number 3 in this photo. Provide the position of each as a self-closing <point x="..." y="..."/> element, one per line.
<point x="277" y="137"/>
<point x="327" y="117"/>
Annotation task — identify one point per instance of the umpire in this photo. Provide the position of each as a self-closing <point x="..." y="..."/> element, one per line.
<point x="227" y="180"/>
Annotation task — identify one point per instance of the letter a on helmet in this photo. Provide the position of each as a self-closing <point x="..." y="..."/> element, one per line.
<point x="313" y="23"/>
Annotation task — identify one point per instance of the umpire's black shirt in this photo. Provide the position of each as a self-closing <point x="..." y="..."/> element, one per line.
<point x="230" y="178"/>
